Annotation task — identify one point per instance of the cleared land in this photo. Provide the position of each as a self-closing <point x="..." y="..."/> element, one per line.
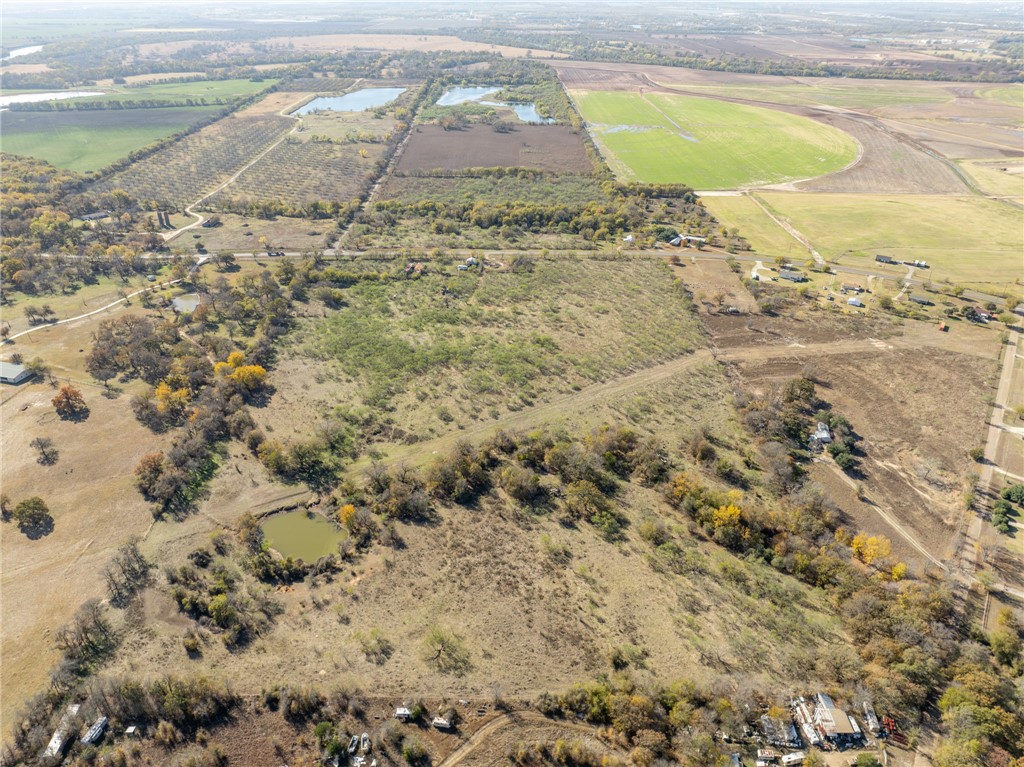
<point x="968" y="240"/>
<point x="196" y="89"/>
<point x="240" y="234"/>
<point x="504" y="340"/>
<point x="709" y="144"/>
<point x="180" y="174"/>
<point x="90" y="140"/>
<point x="545" y="147"/>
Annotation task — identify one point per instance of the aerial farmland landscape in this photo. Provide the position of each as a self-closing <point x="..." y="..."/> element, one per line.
<point x="475" y="385"/>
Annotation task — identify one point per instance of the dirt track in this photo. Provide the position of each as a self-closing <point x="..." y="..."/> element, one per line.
<point x="480" y="740"/>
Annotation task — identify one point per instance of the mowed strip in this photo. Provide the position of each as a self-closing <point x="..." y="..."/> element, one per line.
<point x="709" y="144"/>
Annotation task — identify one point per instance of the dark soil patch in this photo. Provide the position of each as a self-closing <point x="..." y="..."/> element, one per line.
<point x="545" y="147"/>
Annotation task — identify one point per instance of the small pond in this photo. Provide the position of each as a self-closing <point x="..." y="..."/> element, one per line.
<point x="357" y="101"/>
<point x="32" y="98"/>
<point x="186" y="303"/>
<point x="302" y="535"/>
<point x="527" y="112"/>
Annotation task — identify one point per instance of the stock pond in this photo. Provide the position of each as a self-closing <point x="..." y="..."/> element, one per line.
<point x="526" y="111"/>
<point x="302" y="535"/>
<point x="357" y="101"/>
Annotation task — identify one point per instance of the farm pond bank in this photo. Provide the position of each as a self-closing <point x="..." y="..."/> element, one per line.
<point x="526" y="111"/>
<point x="357" y="101"/>
<point x="302" y="535"/>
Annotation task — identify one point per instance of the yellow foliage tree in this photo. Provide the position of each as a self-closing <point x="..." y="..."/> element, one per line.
<point x="899" y="571"/>
<point x="346" y="513"/>
<point x="236" y="359"/>
<point x="870" y="548"/>
<point x="171" y="401"/>
<point x="727" y="516"/>
<point x="250" y="377"/>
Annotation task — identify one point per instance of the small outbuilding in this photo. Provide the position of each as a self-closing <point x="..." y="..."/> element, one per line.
<point x="95" y="732"/>
<point x="856" y="302"/>
<point x="442" y="723"/>
<point x="403" y="714"/>
<point x="13" y="374"/>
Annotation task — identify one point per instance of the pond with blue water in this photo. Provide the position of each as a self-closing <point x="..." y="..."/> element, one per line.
<point x="525" y="111"/>
<point x="357" y="101"/>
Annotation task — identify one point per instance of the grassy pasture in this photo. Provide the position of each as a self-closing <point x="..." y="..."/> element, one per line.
<point x="990" y="177"/>
<point x="765" y="236"/>
<point x="710" y="144"/>
<point x="86" y="141"/>
<point x="967" y="240"/>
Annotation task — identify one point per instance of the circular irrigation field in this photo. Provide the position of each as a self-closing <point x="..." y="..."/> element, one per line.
<point x="709" y="144"/>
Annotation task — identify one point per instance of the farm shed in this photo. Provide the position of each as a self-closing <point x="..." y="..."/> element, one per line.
<point x="13" y="374"/>
<point x="676" y="242"/>
<point x="403" y="714"/>
<point x="834" y="724"/>
<point x="694" y="238"/>
<point x="442" y="723"/>
<point x="871" y="719"/>
<point x="789" y="274"/>
<point x="821" y="434"/>
<point x="886" y="260"/>
<point x="856" y="302"/>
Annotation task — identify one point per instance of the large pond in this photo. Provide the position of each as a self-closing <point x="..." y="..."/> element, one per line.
<point x="302" y="535"/>
<point x="527" y="112"/>
<point x="22" y="52"/>
<point x="357" y="101"/>
<point x="32" y="98"/>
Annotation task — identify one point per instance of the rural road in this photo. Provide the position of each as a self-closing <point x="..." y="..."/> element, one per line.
<point x="481" y="736"/>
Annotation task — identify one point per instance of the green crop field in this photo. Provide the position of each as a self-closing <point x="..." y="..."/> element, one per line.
<point x="968" y="240"/>
<point x="199" y="89"/>
<point x="86" y="141"/>
<point x="710" y="144"/>
<point x="1008" y="94"/>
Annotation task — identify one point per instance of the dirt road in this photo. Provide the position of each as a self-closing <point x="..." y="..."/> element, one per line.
<point x="481" y="736"/>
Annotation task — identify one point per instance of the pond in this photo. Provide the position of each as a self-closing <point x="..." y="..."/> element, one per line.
<point x="302" y="535"/>
<point x="357" y="101"/>
<point x="526" y="111"/>
<point x="22" y="52"/>
<point x="32" y="98"/>
<point x="186" y="303"/>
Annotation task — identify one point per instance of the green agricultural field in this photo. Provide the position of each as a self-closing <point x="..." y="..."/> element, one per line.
<point x="710" y="144"/>
<point x="765" y="236"/>
<point x="210" y="90"/>
<point x="968" y="240"/>
<point x="1008" y="94"/>
<point x="87" y="141"/>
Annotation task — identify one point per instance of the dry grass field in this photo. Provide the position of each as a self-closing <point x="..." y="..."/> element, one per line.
<point x="545" y="147"/>
<point x="91" y="494"/>
<point x="241" y="234"/>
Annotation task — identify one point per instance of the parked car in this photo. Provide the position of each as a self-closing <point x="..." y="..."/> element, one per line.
<point x="364" y="742"/>
<point x="353" y="744"/>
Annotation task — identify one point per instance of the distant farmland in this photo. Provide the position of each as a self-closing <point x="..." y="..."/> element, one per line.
<point x="86" y="141"/>
<point x="707" y="144"/>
